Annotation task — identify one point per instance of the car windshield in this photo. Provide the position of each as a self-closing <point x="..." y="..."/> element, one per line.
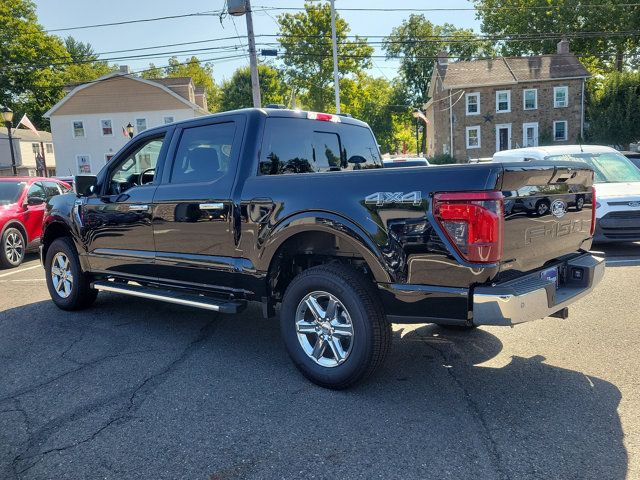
<point x="10" y="191"/>
<point x="609" y="167"/>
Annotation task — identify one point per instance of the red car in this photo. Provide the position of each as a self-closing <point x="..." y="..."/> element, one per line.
<point x="22" y="205"/>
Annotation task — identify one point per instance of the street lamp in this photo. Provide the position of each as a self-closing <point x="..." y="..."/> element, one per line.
<point x="129" y="128"/>
<point x="7" y="117"/>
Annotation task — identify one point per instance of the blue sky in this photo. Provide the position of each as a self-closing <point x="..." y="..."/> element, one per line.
<point x="53" y="15"/>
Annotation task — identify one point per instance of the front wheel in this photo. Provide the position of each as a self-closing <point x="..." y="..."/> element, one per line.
<point x="69" y="287"/>
<point x="333" y="326"/>
<point x="14" y="247"/>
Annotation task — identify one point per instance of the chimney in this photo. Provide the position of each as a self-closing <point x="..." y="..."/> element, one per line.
<point x="443" y="57"/>
<point x="125" y="70"/>
<point x="563" y="46"/>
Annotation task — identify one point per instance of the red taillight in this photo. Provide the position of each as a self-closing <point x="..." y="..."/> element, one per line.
<point x="473" y="222"/>
<point x="593" y="210"/>
<point x="323" y="117"/>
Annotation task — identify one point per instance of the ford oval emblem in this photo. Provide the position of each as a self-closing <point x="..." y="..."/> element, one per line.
<point x="558" y="208"/>
<point x="634" y="204"/>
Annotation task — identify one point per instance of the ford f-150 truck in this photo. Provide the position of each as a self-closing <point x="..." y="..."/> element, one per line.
<point x="294" y="210"/>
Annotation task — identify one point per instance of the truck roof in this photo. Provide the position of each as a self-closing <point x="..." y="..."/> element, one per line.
<point x="268" y="112"/>
<point x="540" y="153"/>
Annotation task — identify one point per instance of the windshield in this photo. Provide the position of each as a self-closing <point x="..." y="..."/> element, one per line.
<point x="608" y="167"/>
<point x="10" y="191"/>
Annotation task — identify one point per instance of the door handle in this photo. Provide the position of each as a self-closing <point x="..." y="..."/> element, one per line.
<point x="212" y="206"/>
<point x="138" y="208"/>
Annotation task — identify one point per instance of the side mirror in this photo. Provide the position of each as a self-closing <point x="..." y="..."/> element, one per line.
<point x="33" y="201"/>
<point x="84" y="185"/>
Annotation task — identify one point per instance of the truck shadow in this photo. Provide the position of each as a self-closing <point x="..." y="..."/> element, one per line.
<point x="540" y="420"/>
<point x="438" y="408"/>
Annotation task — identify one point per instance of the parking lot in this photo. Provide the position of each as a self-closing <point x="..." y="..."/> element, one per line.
<point x="136" y="389"/>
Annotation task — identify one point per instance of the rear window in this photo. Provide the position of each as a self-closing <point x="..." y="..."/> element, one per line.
<point x="294" y="145"/>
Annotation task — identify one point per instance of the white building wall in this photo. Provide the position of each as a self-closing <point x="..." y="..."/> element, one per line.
<point x="96" y="145"/>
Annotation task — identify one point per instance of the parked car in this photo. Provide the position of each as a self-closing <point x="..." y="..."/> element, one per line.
<point x="405" y="162"/>
<point x="22" y="208"/>
<point x="291" y="208"/>
<point x="617" y="185"/>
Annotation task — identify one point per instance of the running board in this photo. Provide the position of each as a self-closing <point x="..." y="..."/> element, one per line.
<point x="189" y="300"/>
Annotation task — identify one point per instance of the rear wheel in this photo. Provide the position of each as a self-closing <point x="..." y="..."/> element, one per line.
<point x="579" y="203"/>
<point x="14" y="247"/>
<point x="69" y="287"/>
<point x="333" y="326"/>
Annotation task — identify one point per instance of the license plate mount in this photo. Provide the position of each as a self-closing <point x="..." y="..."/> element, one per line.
<point x="551" y="275"/>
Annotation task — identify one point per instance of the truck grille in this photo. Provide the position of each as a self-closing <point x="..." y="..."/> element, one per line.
<point x="631" y="214"/>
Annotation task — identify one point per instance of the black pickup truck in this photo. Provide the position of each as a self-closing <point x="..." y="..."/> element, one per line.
<point x="294" y="210"/>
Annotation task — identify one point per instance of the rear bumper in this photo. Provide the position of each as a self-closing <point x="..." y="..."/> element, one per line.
<point x="531" y="298"/>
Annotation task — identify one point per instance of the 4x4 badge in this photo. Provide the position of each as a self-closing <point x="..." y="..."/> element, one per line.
<point x="388" y="198"/>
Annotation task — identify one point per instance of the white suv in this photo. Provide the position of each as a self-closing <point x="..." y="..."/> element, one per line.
<point x="617" y="185"/>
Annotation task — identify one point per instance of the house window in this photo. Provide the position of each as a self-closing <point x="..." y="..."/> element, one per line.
<point x="84" y="164"/>
<point x="530" y="99"/>
<point x="560" y="130"/>
<point x="473" y="137"/>
<point x="141" y="124"/>
<point x="168" y="119"/>
<point x="35" y="147"/>
<point x="473" y="103"/>
<point x="106" y="127"/>
<point x="503" y="101"/>
<point x="49" y="147"/>
<point x="560" y="97"/>
<point x="78" y="129"/>
<point x="530" y="134"/>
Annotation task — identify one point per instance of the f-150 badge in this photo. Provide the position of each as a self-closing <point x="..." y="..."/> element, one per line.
<point x="389" y="198"/>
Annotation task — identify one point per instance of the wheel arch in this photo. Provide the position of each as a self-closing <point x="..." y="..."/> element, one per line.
<point x="319" y="236"/>
<point x="18" y="225"/>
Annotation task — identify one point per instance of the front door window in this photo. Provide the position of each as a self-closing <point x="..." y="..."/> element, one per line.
<point x="137" y="168"/>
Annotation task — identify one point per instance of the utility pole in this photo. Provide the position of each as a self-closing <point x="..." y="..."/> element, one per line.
<point x="253" y="60"/>
<point x="336" y="78"/>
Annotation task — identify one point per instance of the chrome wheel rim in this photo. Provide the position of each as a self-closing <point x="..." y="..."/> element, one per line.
<point x="14" y="248"/>
<point x="580" y="203"/>
<point x="542" y="208"/>
<point x="324" y="329"/>
<point x="61" y="275"/>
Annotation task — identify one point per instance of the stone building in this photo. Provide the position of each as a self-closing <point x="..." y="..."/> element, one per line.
<point x="479" y="107"/>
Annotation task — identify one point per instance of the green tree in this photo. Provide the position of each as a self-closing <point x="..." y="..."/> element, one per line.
<point x="86" y="66"/>
<point x="613" y="111"/>
<point x="32" y="62"/>
<point x="201" y="74"/>
<point x="417" y="42"/>
<point x="308" y="61"/>
<point x="236" y="91"/>
<point x="541" y="23"/>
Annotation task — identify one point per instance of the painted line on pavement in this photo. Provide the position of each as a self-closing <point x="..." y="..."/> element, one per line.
<point x="13" y="272"/>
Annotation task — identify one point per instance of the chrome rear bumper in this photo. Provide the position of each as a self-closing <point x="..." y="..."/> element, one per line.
<point x="530" y="297"/>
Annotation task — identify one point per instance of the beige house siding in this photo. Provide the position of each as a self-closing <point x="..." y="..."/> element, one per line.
<point x="118" y="94"/>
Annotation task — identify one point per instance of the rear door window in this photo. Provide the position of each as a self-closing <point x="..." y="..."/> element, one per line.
<point x="292" y="145"/>
<point x="51" y="189"/>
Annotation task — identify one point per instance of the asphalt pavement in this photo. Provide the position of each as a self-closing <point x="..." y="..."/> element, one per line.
<point x="136" y="389"/>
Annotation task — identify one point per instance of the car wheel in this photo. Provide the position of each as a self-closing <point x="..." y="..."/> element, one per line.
<point x="542" y="207"/>
<point x="69" y="287"/>
<point x="14" y="247"/>
<point x="579" y="203"/>
<point x="334" y="326"/>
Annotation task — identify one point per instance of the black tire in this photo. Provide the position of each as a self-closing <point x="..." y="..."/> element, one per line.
<point x="371" y="331"/>
<point x="80" y="294"/>
<point x="542" y="207"/>
<point x="13" y="248"/>
<point x="579" y="203"/>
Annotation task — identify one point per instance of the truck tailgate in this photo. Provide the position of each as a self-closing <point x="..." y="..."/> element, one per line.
<point x="548" y="211"/>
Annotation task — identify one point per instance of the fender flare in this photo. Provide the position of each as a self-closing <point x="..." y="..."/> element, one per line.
<point x="319" y="221"/>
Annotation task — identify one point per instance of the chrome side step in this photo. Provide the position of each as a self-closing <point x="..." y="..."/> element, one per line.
<point x="179" y="298"/>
